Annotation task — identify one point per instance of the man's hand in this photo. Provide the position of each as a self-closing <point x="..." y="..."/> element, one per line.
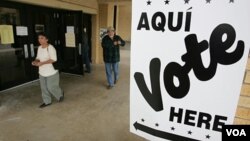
<point x="115" y="43"/>
<point x="36" y="63"/>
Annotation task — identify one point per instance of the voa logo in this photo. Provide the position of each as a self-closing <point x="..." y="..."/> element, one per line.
<point x="236" y="132"/>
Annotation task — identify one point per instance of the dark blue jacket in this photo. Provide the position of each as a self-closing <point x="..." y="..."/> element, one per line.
<point x="111" y="52"/>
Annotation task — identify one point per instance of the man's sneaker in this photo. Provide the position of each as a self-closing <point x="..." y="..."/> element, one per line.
<point x="109" y="87"/>
<point x="87" y="71"/>
<point x="44" y="105"/>
<point x="61" y="98"/>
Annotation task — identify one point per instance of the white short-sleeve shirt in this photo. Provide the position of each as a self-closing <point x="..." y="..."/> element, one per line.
<point x="44" y="54"/>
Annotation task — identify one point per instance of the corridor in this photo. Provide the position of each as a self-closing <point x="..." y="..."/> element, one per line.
<point x="90" y="112"/>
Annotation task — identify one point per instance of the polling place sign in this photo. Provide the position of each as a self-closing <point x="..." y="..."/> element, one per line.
<point x="188" y="59"/>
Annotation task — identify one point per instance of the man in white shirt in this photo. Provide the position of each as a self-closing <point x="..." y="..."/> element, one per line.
<point x="48" y="75"/>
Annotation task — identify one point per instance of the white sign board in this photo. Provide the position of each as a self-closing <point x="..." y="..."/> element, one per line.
<point x="21" y="30"/>
<point x="188" y="59"/>
<point x="70" y="29"/>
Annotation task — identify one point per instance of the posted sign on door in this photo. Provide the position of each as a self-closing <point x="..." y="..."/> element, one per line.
<point x="188" y="59"/>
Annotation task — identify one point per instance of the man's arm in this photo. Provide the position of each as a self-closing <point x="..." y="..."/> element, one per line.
<point x="38" y="63"/>
<point x="121" y="41"/>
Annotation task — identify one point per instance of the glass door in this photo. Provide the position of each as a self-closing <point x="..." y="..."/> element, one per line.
<point x="71" y="51"/>
<point x="15" y="64"/>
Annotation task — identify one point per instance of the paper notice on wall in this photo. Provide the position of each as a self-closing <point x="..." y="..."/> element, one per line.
<point x="6" y="34"/>
<point x="22" y="31"/>
<point x="70" y="40"/>
<point x="39" y="28"/>
<point x="70" y="29"/>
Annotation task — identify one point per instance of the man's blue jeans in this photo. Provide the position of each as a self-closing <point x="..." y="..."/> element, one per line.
<point x="110" y="68"/>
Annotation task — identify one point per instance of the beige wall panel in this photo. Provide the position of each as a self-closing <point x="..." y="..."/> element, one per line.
<point x="96" y="50"/>
<point x="110" y="15"/>
<point x="241" y="121"/>
<point x="103" y="15"/>
<point x="124" y="21"/>
<point x="244" y="102"/>
<point x="106" y="14"/>
<point x="247" y="77"/>
<point x="248" y="64"/>
<point x="87" y="6"/>
<point x="245" y="90"/>
<point x="243" y="113"/>
<point x="243" y="110"/>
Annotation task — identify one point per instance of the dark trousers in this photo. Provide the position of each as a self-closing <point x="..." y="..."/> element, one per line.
<point x="86" y="62"/>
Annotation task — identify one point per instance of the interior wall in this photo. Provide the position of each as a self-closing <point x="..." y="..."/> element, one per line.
<point x="243" y="110"/>
<point x="110" y="14"/>
<point x="87" y="6"/>
<point x="103" y="22"/>
<point x="96" y="50"/>
<point x="106" y="17"/>
<point x="124" y="19"/>
<point x="103" y="15"/>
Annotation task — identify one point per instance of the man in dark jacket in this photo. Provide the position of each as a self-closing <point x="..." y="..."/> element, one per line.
<point x="111" y="55"/>
<point x="85" y="51"/>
